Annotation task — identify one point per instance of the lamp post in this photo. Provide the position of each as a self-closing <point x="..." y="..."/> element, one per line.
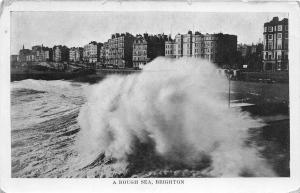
<point x="229" y="75"/>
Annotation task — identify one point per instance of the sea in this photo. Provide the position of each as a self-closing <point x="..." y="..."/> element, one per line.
<point x="44" y="125"/>
<point x="175" y="123"/>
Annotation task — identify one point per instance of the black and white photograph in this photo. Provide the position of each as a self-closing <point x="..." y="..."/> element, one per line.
<point x="149" y="94"/>
<point x="151" y="97"/>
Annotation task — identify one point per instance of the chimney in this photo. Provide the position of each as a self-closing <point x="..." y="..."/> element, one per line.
<point x="276" y="19"/>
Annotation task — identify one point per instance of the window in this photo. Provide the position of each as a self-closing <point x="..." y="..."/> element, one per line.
<point x="270" y="45"/>
<point x="279" y="46"/>
<point x="286" y="35"/>
<point x="286" y="45"/>
<point x="286" y="27"/>
<point x="279" y="36"/>
<point x="279" y="56"/>
<point x="279" y="28"/>
<point x="270" y="29"/>
<point x="270" y="37"/>
<point x="265" y="29"/>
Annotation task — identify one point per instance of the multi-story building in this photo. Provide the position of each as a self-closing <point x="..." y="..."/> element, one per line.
<point x="76" y="54"/>
<point x="104" y="54"/>
<point x="60" y="53"/>
<point x="245" y="50"/>
<point x="91" y="52"/>
<point x="48" y="54"/>
<point x="72" y="54"/>
<point x="41" y="53"/>
<point x="23" y="53"/>
<point x="56" y="54"/>
<point x="178" y="46"/>
<point x="210" y="47"/>
<point x="275" y="50"/>
<point x="187" y="44"/>
<point x="217" y="48"/>
<point x="225" y="50"/>
<point x="146" y="48"/>
<point x="30" y="57"/>
<point x="38" y="53"/>
<point x="250" y="56"/>
<point x="170" y="47"/>
<point x="198" y="45"/>
<point x="139" y="54"/>
<point x="120" y="50"/>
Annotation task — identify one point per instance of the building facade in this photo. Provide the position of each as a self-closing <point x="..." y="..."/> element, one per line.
<point x="60" y="53"/>
<point x="217" y="48"/>
<point x="198" y="45"/>
<point x="146" y="48"/>
<point x="41" y="53"/>
<point x="30" y="57"/>
<point x="104" y="54"/>
<point x="120" y="50"/>
<point x="187" y="44"/>
<point x="23" y="53"/>
<point x="76" y="54"/>
<point x="275" y="50"/>
<point x="170" y="48"/>
<point x="91" y="52"/>
<point x="249" y="57"/>
<point x="210" y="47"/>
<point x="139" y="54"/>
<point x="225" y="50"/>
<point x="178" y="46"/>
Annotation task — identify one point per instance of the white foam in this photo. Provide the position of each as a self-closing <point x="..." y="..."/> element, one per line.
<point x="179" y="106"/>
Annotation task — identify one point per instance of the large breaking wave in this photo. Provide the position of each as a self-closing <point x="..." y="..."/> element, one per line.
<point x="172" y="115"/>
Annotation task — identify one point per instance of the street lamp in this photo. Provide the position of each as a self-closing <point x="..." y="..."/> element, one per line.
<point x="229" y="75"/>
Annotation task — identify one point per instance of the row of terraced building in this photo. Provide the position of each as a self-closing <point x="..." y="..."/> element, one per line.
<point x="126" y="50"/>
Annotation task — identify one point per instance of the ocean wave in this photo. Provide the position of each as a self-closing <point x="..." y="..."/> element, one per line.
<point x="172" y="115"/>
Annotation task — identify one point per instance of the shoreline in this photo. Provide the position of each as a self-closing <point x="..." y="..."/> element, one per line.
<point x="82" y="76"/>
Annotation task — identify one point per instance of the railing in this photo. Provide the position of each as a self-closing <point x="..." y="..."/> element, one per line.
<point x="116" y="71"/>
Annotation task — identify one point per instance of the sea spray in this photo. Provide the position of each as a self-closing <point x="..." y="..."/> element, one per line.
<point x="172" y="115"/>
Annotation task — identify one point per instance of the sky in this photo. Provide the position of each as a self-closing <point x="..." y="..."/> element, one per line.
<point x="80" y="28"/>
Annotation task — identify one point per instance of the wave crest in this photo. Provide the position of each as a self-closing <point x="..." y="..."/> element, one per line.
<point x="171" y="115"/>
